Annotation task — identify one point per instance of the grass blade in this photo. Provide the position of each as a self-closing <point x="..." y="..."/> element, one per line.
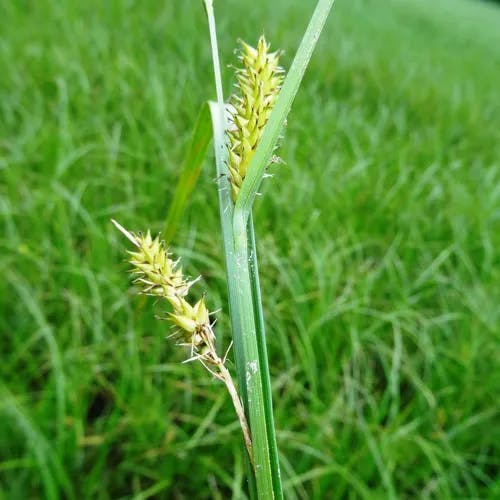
<point x="190" y="172"/>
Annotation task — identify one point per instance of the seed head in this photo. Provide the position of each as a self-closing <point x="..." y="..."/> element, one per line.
<point x="258" y="83"/>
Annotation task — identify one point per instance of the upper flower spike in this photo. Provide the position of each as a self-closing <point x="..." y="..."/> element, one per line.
<point x="258" y="84"/>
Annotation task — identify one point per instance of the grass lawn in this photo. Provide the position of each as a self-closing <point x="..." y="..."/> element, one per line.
<point x="378" y="245"/>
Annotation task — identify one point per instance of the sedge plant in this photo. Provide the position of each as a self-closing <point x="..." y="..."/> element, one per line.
<point x="246" y="130"/>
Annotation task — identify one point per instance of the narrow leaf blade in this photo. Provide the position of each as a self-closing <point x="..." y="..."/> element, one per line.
<point x="190" y="172"/>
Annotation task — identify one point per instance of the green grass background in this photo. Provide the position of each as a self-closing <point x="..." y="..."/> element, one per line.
<point x="378" y="248"/>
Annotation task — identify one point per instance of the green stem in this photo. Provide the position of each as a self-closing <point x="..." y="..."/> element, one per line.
<point x="253" y="367"/>
<point x="226" y="216"/>
<point x="264" y="363"/>
<point x="225" y="201"/>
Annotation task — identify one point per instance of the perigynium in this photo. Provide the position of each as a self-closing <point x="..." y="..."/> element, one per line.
<point x="258" y="83"/>
<point x="158" y="275"/>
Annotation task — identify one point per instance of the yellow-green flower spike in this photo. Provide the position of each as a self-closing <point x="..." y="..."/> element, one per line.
<point x="258" y="83"/>
<point x="157" y="274"/>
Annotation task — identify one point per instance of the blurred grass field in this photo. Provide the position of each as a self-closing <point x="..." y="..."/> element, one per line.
<point x="378" y="245"/>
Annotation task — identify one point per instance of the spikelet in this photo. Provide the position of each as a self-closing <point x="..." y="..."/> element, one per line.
<point x="155" y="271"/>
<point x="258" y="83"/>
